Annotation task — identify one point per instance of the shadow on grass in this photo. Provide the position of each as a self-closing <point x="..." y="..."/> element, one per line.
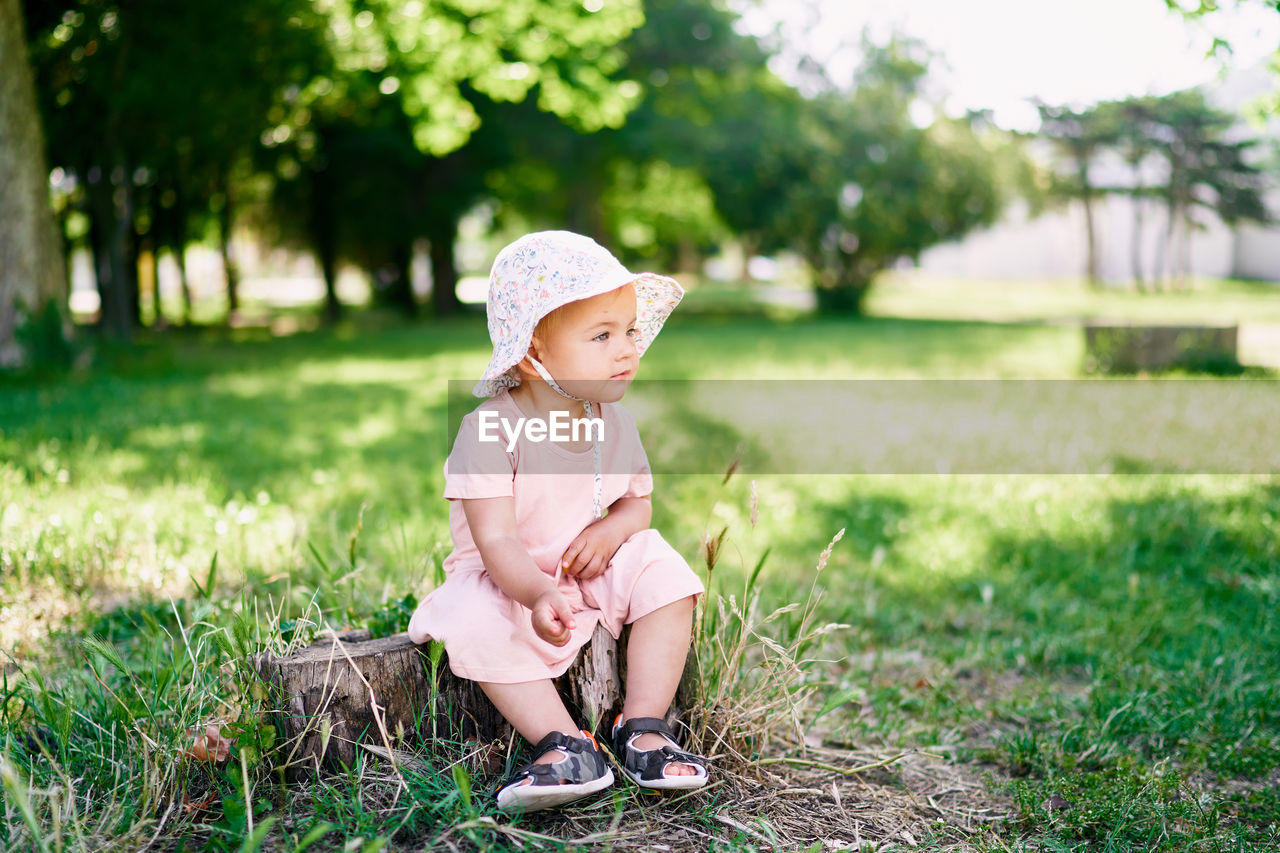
<point x="1169" y="613"/>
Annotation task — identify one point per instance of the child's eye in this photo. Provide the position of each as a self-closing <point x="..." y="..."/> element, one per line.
<point x="633" y="333"/>
<point x="603" y="336"/>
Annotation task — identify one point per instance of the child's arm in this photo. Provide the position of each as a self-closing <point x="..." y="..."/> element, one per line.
<point x="493" y="527"/>
<point x="589" y="553"/>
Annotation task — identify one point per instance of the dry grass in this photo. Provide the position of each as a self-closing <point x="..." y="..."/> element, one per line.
<point x="913" y="801"/>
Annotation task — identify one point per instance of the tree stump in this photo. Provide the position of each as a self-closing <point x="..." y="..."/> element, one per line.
<point x="1130" y="349"/>
<point x="346" y="690"/>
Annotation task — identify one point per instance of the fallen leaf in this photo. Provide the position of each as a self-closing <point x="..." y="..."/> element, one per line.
<point x="209" y="745"/>
<point x="189" y="806"/>
<point x="490" y="755"/>
<point x="923" y="684"/>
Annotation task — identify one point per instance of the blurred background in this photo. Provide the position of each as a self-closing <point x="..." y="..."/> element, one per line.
<point x="243" y="252"/>
<point x="251" y="163"/>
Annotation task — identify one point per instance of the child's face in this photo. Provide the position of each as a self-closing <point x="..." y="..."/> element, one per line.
<point x="591" y="349"/>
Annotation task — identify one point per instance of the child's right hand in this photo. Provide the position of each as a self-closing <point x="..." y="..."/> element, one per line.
<point x="552" y="617"/>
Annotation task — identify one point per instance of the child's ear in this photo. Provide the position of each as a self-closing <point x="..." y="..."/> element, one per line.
<point x="526" y="369"/>
<point x="523" y="365"/>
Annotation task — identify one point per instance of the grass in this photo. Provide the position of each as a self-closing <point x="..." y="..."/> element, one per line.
<point x="1103" y="650"/>
<point x="1211" y="301"/>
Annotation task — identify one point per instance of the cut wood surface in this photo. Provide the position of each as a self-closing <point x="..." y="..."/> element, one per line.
<point x="346" y="689"/>
<point x="1134" y="348"/>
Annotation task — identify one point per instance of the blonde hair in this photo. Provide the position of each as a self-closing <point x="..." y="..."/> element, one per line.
<point x="550" y="322"/>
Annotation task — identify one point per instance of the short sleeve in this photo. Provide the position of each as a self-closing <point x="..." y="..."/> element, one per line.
<point x="640" y="480"/>
<point x="477" y="468"/>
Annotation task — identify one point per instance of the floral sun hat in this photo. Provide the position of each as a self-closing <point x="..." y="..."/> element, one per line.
<point x="539" y="273"/>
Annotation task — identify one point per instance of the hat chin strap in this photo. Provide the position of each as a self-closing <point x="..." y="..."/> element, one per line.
<point x="597" y="496"/>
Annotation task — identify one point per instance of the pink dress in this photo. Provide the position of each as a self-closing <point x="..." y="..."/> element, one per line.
<point x="489" y="636"/>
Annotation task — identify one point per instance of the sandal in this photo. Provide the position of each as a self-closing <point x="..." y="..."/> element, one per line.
<point x="647" y="767"/>
<point x="581" y="772"/>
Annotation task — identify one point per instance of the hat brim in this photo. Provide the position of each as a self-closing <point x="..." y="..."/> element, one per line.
<point x="656" y="297"/>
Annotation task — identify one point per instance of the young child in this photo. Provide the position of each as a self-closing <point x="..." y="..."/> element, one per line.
<point x="551" y="536"/>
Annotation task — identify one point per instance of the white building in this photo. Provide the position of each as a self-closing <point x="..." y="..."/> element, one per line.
<point x="1054" y="244"/>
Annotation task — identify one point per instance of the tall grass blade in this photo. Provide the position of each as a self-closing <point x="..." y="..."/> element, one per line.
<point x="16" y="790"/>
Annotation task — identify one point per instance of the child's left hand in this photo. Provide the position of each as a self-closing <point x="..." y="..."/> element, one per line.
<point x="589" y="554"/>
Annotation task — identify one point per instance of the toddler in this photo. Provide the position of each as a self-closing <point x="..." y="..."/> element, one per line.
<point x="551" y="527"/>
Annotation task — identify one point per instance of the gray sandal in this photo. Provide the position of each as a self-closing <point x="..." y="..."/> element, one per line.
<point x="581" y="772"/>
<point x="647" y="767"/>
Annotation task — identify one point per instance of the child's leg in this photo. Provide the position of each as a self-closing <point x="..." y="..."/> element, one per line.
<point x="570" y="766"/>
<point x="656" y="653"/>
<point x="534" y="709"/>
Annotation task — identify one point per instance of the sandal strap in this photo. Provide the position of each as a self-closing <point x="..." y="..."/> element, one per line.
<point x="583" y="762"/>
<point x="650" y="763"/>
<point x="623" y="734"/>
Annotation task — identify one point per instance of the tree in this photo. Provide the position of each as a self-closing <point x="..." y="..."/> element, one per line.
<point x="1081" y="135"/>
<point x="1205" y="11"/>
<point x="865" y="186"/>
<point x="32" y="273"/>
<point x="151" y="105"/>
<point x="643" y="188"/>
<point x="1137" y="133"/>
<point x="1209" y="168"/>
<point x="442" y="65"/>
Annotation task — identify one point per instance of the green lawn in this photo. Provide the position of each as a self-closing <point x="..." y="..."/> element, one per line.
<point x="1110" y="641"/>
<point x="1214" y="301"/>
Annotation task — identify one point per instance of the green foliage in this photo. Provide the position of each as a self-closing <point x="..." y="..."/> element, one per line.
<point x="1207" y="166"/>
<point x="875" y="187"/>
<point x="393" y="617"/>
<point x="44" y="339"/>
<point x="1110" y="641"/>
<point x="163" y="117"/>
<point x="646" y="188"/>
<point x="655" y="206"/>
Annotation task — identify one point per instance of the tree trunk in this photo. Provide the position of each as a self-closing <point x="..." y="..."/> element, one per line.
<point x="1091" y="243"/>
<point x="229" y="268"/>
<point x="444" y="274"/>
<point x="178" y="247"/>
<point x="327" y="707"/>
<point x="842" y="286"/>
<point x="132" y="253"/>
<point x="112" y="219"/>
<point x="1165" y="259"/>
<point x="1184" y="265"/>
<point x="32" y="265"/>
<point x="400" y="289"/>
<point x="1136" y="244"/>
<point x="324" y="235"/>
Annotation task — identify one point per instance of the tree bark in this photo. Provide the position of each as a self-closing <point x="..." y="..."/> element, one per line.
<point x="400" y="290"/>
<point x="32" y="264"/>
<point x="1091" y="243"/>
<point x="1135" y="246"/>
<point x="111" y="219"/>
<point x="444" y="274"/>
<point x="843" y="284"/>
<point x="1184" y="266"/>
<point x="324" y="235"/>
<point x="326" y="705"/>
<point x="1164" y="248"/>
<point x="229" y="268"/>
<point x="132" y="249"/>
<point x="178" y="247"/>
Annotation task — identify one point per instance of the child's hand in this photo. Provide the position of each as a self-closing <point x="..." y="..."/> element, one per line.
<point x="589" y="554"/>
<point x="552" y="617"/>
